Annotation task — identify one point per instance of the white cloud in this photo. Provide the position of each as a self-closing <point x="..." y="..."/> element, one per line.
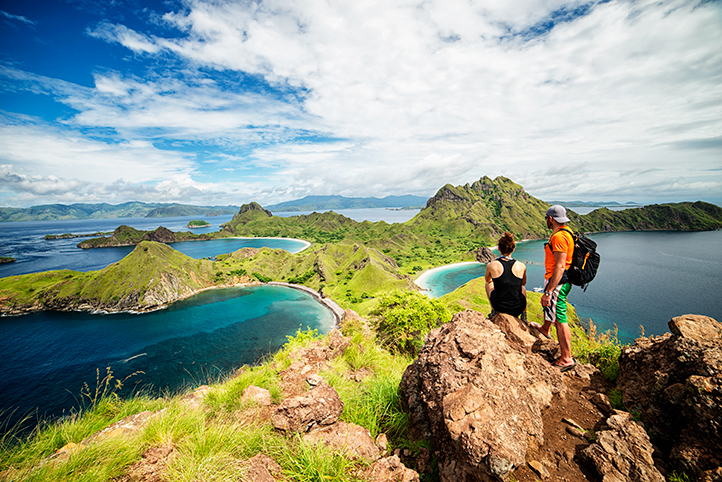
<point x="408" y="96"/>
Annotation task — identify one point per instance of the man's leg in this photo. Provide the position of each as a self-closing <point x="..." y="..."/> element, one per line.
<point x="564" y="333"/>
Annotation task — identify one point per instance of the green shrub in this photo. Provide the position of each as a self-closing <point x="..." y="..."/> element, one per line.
<point x="602" y="351"/>
<point x="405" y="318"/>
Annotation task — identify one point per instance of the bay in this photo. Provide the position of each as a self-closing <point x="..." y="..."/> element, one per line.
<point x="645" y="279"/>
<point x="25" y="241"/>
<point x="49" y="356"/>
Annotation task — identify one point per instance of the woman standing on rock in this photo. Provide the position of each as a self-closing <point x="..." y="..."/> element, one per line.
<point x="506" y="280"/>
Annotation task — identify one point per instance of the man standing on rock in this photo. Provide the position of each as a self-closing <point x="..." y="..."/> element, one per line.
<point x="557" y="259"/>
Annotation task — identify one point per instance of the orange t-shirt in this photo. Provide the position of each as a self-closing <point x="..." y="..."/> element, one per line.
<point x="560" y="241"/>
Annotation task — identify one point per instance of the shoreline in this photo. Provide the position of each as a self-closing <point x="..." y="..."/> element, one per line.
<point x="329" y="303"/>
<point x="423" y="276"/>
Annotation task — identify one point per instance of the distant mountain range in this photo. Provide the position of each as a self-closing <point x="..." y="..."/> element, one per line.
<point x="55" y="212"/>
<point x="325" y="203"/>
<point x="584" y="204"/>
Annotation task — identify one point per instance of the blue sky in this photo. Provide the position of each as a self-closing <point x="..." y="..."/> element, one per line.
<point x="226" y="102"/>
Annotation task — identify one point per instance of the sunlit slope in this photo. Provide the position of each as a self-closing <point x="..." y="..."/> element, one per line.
<point x="686" y="216"/>
<point x="153" y="275"/>
<point x="483" y="210"/>
<point x="351" y="274"/>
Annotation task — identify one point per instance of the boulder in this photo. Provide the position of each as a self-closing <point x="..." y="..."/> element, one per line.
<point x="317" y="407"/>
<point x="389" y="469"/>
<point x="674" y="381"/>
<point x="478" y="396"/>
<point x="622" y="453"/>
<point x="353" y="440"/>
<point x="257" y="394"/>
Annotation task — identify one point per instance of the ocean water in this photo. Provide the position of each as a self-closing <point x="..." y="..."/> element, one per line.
<point x="27" y="244"/>
<point x="645" y="279"/>
<point x="49" y="356"/>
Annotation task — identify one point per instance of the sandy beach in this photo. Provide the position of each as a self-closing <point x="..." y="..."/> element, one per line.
<point x="421" y="280"/>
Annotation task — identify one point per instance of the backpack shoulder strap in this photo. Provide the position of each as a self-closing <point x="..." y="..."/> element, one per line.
<point x="574" y="237"/>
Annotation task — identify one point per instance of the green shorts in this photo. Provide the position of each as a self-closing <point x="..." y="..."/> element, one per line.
<point x="557" y="309"/>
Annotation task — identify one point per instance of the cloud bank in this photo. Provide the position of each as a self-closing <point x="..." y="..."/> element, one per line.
<point x="270" y="101"/>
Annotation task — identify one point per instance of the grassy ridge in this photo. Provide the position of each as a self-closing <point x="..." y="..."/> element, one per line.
<point x="686" y="216"/>
<point x="152" y="275"/>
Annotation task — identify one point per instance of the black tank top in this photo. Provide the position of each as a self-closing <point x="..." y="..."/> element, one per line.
<point x="507" y="296"/>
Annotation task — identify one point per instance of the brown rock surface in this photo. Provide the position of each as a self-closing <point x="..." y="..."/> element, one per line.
<point x="261" y="468"/>
<point x="317" y="407"/>
<point x="257" y="394"/>
<point x="349" y="438"/>
<point x="623" y="452"/>
<point x="478" y="398"/>
<point x="675" y="382"/>
<point x="389" y="469"/>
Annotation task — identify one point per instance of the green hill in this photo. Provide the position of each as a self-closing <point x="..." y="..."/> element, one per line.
<point x="150" y="277"/>
<point x="686" y="216"/>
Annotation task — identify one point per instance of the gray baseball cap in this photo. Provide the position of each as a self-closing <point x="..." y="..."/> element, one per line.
<point x="558" y="213"/>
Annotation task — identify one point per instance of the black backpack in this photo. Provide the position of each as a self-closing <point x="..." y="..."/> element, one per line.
<point x="585" y="260"/>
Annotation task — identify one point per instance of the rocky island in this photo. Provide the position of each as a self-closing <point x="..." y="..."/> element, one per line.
<point x="7" y="259"/>
<point x="198" y="224"/>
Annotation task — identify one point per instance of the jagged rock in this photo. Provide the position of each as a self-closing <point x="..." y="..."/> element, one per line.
<point x="160" y="235"/>
<point x="477" y="398"/>
<point x="382" y="442"/>
<point x="622" y="453"/>
<point x="259" y="395"/>
<point x="389" y="469"/>
<point x="261" y="468"/>
<point x="309" y="360"/>
<point x="355" y="441"/>
<point x="675" y="382"/>
<point x="517" y="332"/>
<point x="318" y="407"/>
<point x="602" y="402"/>
<point x="484" y="255"/>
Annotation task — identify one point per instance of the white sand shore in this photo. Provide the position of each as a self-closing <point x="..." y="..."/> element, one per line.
<point x="306" y="244"/>
<point x="421" y="280"/>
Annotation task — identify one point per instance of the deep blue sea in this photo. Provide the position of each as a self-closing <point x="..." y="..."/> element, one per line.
<point x="645" y="278"/>
<point x="49" y="356"/>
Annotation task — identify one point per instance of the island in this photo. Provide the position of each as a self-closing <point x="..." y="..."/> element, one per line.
<point x="197" y="223"/>
<point x="50" y="237"/>
<point x="6" y="259"/>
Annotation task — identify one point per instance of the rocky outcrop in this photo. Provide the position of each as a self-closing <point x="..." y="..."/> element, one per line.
<point x="484" y="255"/>
<point x="254" y="206"/>
<point x="622" y="452"/>
<point x="348" y="438"/>
<point x="674" y="381"/>
<point x="478" y="397"/>
<point x="389" y="469"/>
<point x="318" y="407"/>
